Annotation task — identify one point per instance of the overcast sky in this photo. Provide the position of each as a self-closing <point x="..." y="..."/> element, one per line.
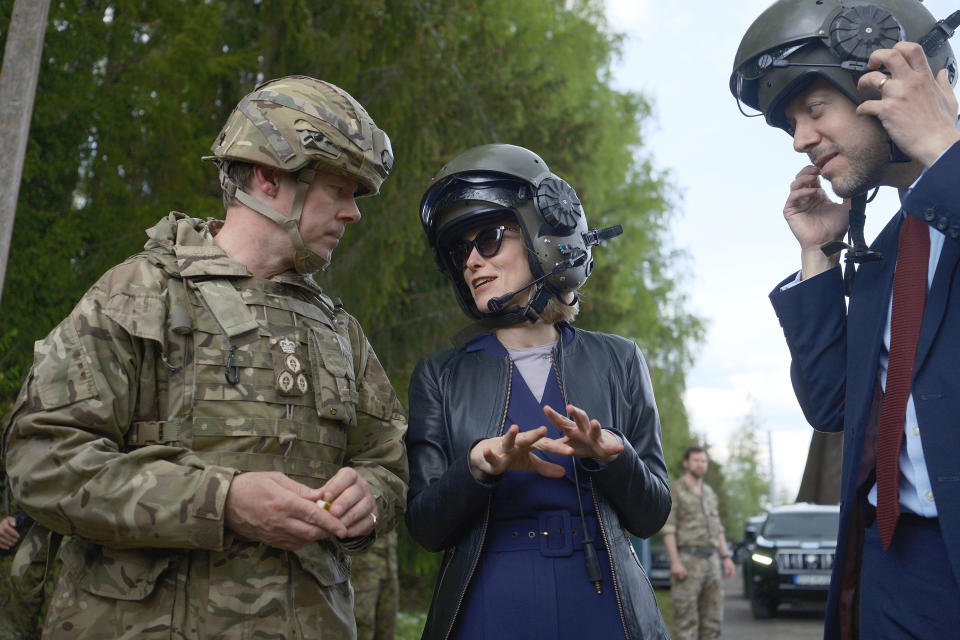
<point x="733" y="173"/>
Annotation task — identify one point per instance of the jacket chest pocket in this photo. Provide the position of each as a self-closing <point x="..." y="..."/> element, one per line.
<point x="334" y="381"/>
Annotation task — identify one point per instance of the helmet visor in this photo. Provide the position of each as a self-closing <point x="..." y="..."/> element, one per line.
<point x="494" y="189"/>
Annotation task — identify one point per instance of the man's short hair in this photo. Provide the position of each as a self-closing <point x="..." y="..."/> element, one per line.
<point x="692" y="450"/>
<point x="240" y="173"/>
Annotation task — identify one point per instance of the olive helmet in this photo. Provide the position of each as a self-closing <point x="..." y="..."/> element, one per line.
<point x="795" y="42"/>
<point x="302" y="125"/>
<point x="491" y="182"/>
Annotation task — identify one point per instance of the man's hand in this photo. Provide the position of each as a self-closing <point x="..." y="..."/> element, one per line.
<point x="728" y="568"/>
<point x="351" y="501"/>
<point x="677" y="570"/>
<point x="269" y="507"/>
<point x="584" y="437"/>
<point x="8" y="533"/>
<point x="814" y="220"/>
<point x="918" y="111"/>
<point x="514" y="451"/>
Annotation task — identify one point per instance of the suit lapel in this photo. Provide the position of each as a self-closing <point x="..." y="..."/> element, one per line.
<point x="937" y="299"/>
<point x="868" y="312"/>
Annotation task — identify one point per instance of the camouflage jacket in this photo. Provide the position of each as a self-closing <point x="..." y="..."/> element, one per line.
<point x="128" y="432"/>
<point x="694" y="519"/>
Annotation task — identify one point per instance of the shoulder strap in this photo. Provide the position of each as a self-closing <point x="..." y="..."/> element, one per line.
<point x="228" y="308"/>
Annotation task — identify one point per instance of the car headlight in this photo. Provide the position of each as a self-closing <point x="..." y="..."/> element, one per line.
<point x="759" y="558"/>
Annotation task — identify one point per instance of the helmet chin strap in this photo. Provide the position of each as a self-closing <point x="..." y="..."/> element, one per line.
<point x="305" y="260"/>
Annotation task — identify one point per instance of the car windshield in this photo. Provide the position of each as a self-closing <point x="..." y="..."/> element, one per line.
<point x="801" y="525"/>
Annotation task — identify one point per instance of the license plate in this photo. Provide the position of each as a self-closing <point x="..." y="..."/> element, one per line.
<point x="660" y="573"/>
<point x="812" y="580"/>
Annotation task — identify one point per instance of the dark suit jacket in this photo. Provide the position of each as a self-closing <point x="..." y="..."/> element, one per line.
<point x="836" y="360"/>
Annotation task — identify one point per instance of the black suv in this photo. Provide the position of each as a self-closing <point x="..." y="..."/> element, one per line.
<point x="744" y="549"/>
<point x="792" y="557"/>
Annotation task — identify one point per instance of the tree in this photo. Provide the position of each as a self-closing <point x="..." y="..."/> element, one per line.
<point x="746" y="490"/>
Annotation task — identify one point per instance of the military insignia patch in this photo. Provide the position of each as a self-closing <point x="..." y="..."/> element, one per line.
<point x="288" y="346"/>
<point x="288" y="368"/>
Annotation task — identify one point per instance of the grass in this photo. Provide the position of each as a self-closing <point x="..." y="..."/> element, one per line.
<point x="666" y="606"/>
<point x="410" y="625"/>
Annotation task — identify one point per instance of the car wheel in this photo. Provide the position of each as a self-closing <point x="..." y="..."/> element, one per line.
<point x="762" y="608"/>
<point x="747" y="582"/>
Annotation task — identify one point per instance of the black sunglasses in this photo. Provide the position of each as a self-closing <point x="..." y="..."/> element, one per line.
<point x="487" y="243"/>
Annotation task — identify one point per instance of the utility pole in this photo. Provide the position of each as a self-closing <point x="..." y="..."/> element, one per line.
<point x="18" y="85"/>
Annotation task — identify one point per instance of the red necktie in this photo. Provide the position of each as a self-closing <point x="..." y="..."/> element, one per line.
<point x="909" y="295"/>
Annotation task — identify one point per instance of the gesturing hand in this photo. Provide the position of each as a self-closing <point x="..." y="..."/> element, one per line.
<point x="514" y="451"/>
<point x="583" y="436"/>
<point x="269" y="507"/>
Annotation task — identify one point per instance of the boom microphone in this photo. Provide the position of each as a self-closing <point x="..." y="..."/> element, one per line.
<point x="496" y="304"/>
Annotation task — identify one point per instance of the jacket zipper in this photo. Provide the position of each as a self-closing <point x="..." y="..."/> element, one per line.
<point x="593" y="494"/>
<point x="486" y="515"/>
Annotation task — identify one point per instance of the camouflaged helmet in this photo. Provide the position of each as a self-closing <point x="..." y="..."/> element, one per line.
<point x="491" y="182"/>
<point x="795" y="42"/>
<point x="302" y="125"/>
<point x="295" y="122"/>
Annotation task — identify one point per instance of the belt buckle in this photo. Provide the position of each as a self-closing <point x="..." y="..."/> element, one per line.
<point x="555" y="532"/>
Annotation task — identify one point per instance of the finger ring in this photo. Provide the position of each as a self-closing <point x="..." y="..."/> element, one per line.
<point x="374" y="516"/>
<point x="504" y="449"/>
<point x="882" y="82"/>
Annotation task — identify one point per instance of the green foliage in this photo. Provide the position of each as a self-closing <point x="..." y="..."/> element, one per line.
<point x="410" y="625"/>
<point x="132" y="93"/>
<point x="746" y="483"/>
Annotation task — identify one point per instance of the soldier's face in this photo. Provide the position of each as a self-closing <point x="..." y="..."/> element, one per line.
<point x="696" y="464"/>
<point x="328" y="208"/>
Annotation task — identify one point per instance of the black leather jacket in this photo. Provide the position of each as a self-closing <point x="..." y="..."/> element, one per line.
<point x="458" y="397"/>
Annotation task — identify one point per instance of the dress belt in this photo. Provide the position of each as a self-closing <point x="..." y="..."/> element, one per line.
<point x="700" y="552"/>
<point x="555" y="533"/>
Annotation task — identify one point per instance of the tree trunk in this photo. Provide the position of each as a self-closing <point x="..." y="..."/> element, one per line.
<point x="18" y="85"/>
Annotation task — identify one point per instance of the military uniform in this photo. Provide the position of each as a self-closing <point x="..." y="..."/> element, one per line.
<point x="697" y="599"/>
<point x="21" y="597"/>
<point x="375" y="587"/>
<point x="20" y="603"/>
<point x="177" y="370"/>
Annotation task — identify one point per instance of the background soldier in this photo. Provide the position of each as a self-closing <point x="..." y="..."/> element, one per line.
<point x="21" y="600"/>
<point x="182" y="423"/>
<point x="695" y="542"/>
<point x="376" y="589"/>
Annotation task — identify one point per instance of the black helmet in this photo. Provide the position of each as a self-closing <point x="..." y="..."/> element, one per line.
<point x="496" y="181"/>
<point x="795" y="42"/>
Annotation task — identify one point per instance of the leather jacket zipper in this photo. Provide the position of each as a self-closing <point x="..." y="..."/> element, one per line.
<point x="486" y="515"/>
<point x="558" y="360"/>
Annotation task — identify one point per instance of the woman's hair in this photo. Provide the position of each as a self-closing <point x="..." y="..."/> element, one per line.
<point x="557" y="311"/>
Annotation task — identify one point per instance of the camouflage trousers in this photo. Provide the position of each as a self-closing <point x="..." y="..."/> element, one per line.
<point x="21" y="608"/>
<point x="698" y="599"/>
<point x="248" y="591"/>
<point x="375" y="587"/>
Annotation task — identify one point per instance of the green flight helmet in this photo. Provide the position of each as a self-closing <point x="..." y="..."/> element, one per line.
<point x="795" y="42"/>
<point x="302" y="125"/>
<point x="493" y="182"/>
